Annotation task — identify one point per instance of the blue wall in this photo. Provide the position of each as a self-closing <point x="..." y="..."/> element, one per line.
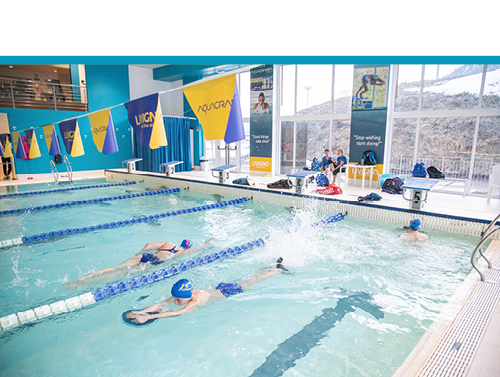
<point x="107" y="85"/>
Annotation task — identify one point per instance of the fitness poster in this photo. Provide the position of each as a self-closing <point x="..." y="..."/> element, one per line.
<point x="261" y="118"/>
<point x="369" y="115"/>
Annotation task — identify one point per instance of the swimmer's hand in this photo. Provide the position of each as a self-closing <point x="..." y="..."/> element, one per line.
<point x="139" y="317"/>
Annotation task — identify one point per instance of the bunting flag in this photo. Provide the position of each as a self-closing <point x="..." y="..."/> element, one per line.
<point x="216" y="104"/>
<point x="4" y="141"/>
<point x="18" y="145"/>
<point x="32" y="143"/>
<point x="145" y="117"/>
<point x="103" y="131"/>
<point x="71" y="137"/>
<point x="1" y="149"/>
<point x="51" y="140"/>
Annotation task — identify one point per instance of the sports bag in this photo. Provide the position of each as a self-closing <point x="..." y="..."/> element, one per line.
<point x="241" y="181"/>
<point x="393" y="186"/>
<point x="368" y="158"/>
<point x="330" y="190"/>
<point x="281" y="184"/>
<point x="419" y="170"/>
<point x="322" y="180"/>
<point x="435" y="172"/>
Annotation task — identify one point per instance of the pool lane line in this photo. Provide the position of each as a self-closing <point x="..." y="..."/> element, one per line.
<point x="66" y="232"/>
<point x="67" y="189"/>
<point x="90" y="201"/>
<point x="90" y="298"/>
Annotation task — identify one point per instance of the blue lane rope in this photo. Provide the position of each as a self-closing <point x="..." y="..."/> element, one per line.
<point x="80" y="202"/>
<point x="68" y="189"/>
<point x="114" y="289"/>
<point x="60" y="233"/>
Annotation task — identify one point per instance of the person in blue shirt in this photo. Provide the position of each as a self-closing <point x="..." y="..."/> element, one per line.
<point x="327" y="162"/>
<point x="341" y="161"/>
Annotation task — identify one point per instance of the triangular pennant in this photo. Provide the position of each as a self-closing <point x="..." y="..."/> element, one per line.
<point x="32" y="143"/>
<point x="235" y="130"/>
<point x="51" y="139"/>
<point x="71" y="137"/>
<point x="18" y="145"/>
<point x="4" y="140"/>
<point x="103" y="132"/>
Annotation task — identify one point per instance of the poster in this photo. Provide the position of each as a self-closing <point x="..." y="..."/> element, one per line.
<point x="261" y="118"/>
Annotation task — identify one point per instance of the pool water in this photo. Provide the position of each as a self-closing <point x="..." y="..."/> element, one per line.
<point x="409" y="283"/>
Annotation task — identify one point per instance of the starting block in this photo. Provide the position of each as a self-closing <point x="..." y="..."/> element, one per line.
<point x="419" y="188"/>
<point x="300" y="179"/>
<point x="223" y="172"/>
<point x="170" y="167"/>
<point x="131" y="164"/>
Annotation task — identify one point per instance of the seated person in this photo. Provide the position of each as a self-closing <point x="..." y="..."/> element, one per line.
<point x="414" y="235"/>
<point x="183" y="294"/>
<point x="142" y="261"/>
<point x="327" y="162"/>
<point x="341" y="161"/>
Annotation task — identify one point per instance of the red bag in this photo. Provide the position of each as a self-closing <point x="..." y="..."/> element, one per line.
<point x="330" y="190"/>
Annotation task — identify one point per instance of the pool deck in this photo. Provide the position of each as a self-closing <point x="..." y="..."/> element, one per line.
<point x="465" y="340"/>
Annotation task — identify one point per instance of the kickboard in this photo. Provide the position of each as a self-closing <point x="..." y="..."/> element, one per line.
<point x="130" y="321"/>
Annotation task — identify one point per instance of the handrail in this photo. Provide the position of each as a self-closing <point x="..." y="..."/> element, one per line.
<point x="479" y="248"/>
<point x="489" y="226"/>
<point x="68" y="167"/>
<point x="55" y="173"/>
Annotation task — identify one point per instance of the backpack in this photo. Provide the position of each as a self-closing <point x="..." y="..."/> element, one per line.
<point x="330" y="190"/>
<point x="435" y="172"/>
<point x="281" y="184"/>
<point x="315" y="165"/>
<point x="419" y="170"/>
<point x="241" y="181"/>
<point x="322" y="180"/>
<point x="368" y="158"/>
<point x="393" y="186"/>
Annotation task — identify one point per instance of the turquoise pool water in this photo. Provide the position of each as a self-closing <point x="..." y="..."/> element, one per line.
<point x="409" y="283"/>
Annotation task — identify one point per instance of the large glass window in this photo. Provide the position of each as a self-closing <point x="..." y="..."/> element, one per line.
<point x="341" y="136"/>
<point x="244" y="88"/>
<point x="408" y="92"/>
<point x="491" y="96"/>
<point x="245" y="150"/>
<point x="287" y="106"/>
<point x="487" y="153"/>
<point x="343" y="89"/>
<point x="403" y="146"/>
<point x="287" y="144"/>
<point x="314" y="89"/>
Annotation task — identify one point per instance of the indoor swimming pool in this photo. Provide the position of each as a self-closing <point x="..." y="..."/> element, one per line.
<point x="356" y="302"/>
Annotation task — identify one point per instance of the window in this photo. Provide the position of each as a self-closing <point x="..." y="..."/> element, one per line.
<point x="491" y="95"/>
<point x="343" y="89"/>
<point x="287" y="90"/>
<point x="314" y="89"/>
<point x="408" y="92"/>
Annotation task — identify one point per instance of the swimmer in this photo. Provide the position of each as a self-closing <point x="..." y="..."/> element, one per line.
<point x="414" y="235"/>
<point x="142" y="261"/>
<point x="368" y="79"/>
<point x="183" y="294"/>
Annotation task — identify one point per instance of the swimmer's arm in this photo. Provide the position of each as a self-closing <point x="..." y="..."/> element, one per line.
<point x="196" y="249"/>
<point x="152" y="246"/>
<point x="153" y="308"/>
<point x="190" y="306"/>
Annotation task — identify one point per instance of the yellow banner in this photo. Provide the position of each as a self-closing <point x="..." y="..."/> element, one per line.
<point x="77" y="149"/>
<point x="15" y="139"/>
<point x="357" y="173"/>
<point x="158" y="135"/>
<point x="261" y="163"/>
<point x="99" y="124"/>
<point x="7" y="152"/>
<point x="211" y="102"/>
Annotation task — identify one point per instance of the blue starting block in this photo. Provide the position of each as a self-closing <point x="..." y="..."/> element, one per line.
<point x="170" y="167"/>
<point x="223" y="172"/>
<point x="131" y="164"/>
<point x="300" y="179"/>
<point x="419" y="188"/>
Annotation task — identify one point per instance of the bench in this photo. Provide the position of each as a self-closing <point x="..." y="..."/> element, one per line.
<point x="170" y="167"/>
<point x="223" y="172"/>
<point x="131" y="164"/>
<point x="300" y="179"/>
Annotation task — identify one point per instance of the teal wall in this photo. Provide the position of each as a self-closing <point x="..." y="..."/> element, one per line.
<point x="195" y="125"/>
<point x="107" y="85"/>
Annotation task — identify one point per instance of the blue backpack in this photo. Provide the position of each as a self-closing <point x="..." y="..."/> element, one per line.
<point x="315" y="165"/>
<point x="322" y="180"/>
<point x="368" y="158"/>
<point x="419" y="170"/>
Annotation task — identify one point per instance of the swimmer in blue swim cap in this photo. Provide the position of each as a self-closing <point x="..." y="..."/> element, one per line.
<point x="414" y="235"/>
<point x="368" y="79"/>
<point x="183" y="294"/>
<point x="143" y="260"/>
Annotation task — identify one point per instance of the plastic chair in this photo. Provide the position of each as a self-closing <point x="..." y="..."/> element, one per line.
<point x="494" y="181"/>
<point x="343" y="173"/>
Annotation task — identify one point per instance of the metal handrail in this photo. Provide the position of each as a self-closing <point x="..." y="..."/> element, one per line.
<point x="490" y="226"/>
<point x="68" y="167"/>
<point x="479" y="249"/>
<point x="55" y="173"/>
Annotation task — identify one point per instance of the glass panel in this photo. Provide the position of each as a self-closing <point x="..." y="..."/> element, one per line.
<point x="210" y="153"/>
<point x="287" y="139"/>
<point x="491" y="95"/>
<point x="301" y="145"/>
<point x="343" y="88"/>
<point x="314" y="89"/>
<point x="312" y="139"/>
<point x="341" y="134"/>
<point x="244" y="88"/>
<point x="403" y="146"/>
<point x="408" y="91"/>
<point x="245" y="150"/>
<point x="446" y="143"/>
<point x="450" y="87"/>
<point x="288" y="90"/>
<point x="487" y="154"/>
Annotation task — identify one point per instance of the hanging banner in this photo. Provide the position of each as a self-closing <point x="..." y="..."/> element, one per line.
<point x="1" y="150"/>
<point x="71" y="137"/>
<point x="32" y="143"/>
<point x="18" y="146"/>
<point x="145" y="117"/>
<point x="216" y="104"/>
<point x="6" y="149"/>
<point x="51" y="139"/>
<point x="103" y="131"/>
<point x="261" y="119"/>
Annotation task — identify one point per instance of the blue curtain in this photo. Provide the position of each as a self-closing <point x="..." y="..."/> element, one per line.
<point x="178" y="148"/>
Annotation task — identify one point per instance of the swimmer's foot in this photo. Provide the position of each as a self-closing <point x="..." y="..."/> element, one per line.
<point x="279" y="265"/>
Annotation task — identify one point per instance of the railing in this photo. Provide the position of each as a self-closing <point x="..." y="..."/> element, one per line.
<point x="68" y="167"/>
<point x="33" y="94"/>
<point x="486" y="235"/>
<point x="55" y="174"/>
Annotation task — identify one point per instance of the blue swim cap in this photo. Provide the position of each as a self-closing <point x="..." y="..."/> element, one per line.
<point x="375" y="77"/>
<point x="182" y="289"/>
<point x="186" y="244"/>
<point x="415" y="224"/>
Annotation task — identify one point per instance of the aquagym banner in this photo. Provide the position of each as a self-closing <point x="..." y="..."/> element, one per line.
<point x="103" y="131"/>
<point x="51" y="139"/>
<point x="32" y="143"/>
<point x="18" y="145"/>
<point x="4" y="140"/>
<point x="72" y="140"/>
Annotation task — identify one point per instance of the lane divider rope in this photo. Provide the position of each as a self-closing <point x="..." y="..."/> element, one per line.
<point x="80" y="202"/>
<point x="67" y="189"/>
<point x="90" y="298"/>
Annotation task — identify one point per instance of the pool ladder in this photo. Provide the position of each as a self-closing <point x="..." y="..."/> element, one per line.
<point x="485" y="235"/>
<point x="55" y="173"/>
